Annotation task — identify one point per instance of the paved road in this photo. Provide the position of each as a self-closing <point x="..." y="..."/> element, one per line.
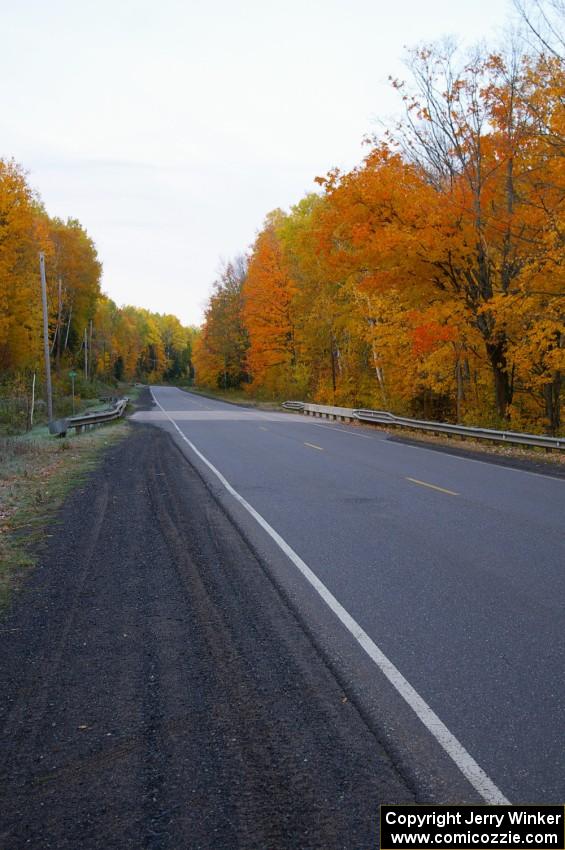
<point x="157" y="693"/>
<point x="454" y="567"/>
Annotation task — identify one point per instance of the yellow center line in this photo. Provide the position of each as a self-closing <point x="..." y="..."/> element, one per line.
<point x="432" y="486"/>
<point x="312" y="446"/>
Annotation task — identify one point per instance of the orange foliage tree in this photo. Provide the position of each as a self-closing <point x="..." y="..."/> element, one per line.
<point x="220" y="351"/>
<point x="125" y="342"/>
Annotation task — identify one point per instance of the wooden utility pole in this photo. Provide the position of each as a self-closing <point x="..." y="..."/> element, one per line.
<point x="46" y="336"/>
<point x="90" y="346"/>
<point x="59" y="326"/>
<point x="32" y="405"/>
<point x="85" y="356"/>
<point x="68" y="328"/>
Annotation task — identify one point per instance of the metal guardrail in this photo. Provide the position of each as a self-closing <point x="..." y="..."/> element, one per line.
<point x="384" y="417"/>
<point x="61" y="426"/>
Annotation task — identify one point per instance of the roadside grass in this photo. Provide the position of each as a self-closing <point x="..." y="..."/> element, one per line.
<point x="37" y="471"/>
<point x="132" y="391"/>
<point x="14" y="405"/>
<point x="535" y="454"/>
<point x="94" y="405"/>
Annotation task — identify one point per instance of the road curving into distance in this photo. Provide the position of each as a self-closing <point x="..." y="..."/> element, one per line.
<point x="246" y="630"/>
<point x="452" y="567"/>
<point x="157" y="692"/>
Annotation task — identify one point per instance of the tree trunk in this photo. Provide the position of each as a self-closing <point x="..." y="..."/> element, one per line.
<point x="32" y="404"/>
<point x="91" y="364"/>
<point x="332" y="356"/>
<point x="68" y="327"/>
<point x="552" y="396"/>
<point x="496" y="352"/>
<point x="460" y="392"/>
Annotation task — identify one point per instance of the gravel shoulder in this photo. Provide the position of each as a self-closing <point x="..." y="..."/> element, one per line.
<point x="157" y="691"/>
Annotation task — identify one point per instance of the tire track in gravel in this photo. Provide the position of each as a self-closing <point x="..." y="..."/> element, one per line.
<point x="23" y="716"/>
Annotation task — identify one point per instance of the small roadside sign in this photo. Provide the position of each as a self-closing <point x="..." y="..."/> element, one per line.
<point x="72" y="374"/>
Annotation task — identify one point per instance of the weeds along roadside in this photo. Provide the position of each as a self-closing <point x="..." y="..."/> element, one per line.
<point x="37" y="471"/>
<point x="20" y="409"/>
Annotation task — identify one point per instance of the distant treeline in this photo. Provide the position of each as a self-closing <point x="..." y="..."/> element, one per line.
<point x="430" y="279"/>
<point x="87" y="331"/>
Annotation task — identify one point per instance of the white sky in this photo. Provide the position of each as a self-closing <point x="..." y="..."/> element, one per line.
<point x="170" y="128"/>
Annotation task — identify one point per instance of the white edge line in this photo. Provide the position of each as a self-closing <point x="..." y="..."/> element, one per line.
<point x="455" y="750"/>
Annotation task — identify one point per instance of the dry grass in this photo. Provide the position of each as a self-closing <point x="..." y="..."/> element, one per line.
<point x="36" y="473"/>
<point x="534" y="454"/>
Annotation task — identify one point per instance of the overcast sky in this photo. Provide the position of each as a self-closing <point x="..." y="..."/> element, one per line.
<point x="170" y="128"/>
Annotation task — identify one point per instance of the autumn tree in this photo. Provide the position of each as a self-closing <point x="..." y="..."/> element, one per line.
<point x="471" y="133"/>
<point x="74" y="273"/>
<point x="177" y="345"/>
<point x="268" y="292"/>
<point x="429" y="279"/>
<point x="221" y="349"/>
<point x="333" y="357"/>
<point x="123" y="342"/>
<point x="20" y="305"/>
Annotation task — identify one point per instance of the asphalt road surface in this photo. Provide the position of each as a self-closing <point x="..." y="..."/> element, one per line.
<point x="248" y="632"/>
<point x="453" y="566"/>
